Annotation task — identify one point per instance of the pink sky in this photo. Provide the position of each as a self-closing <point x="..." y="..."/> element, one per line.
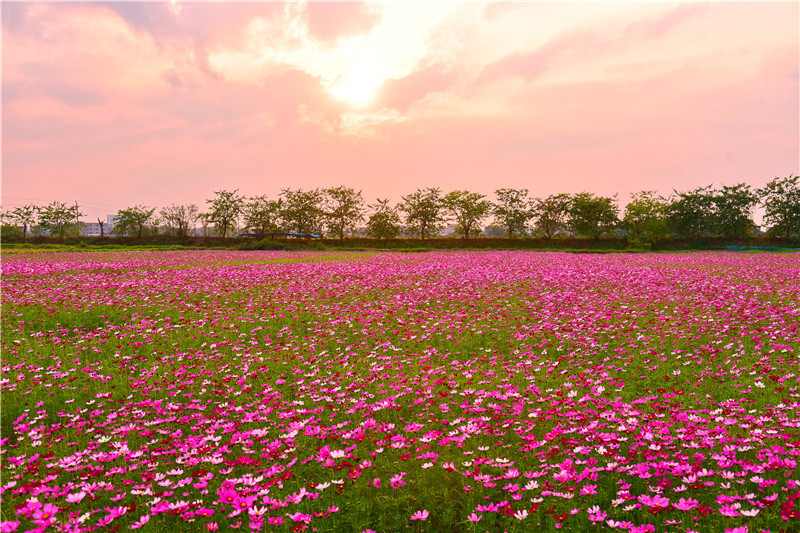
<point x="119" y="104"/>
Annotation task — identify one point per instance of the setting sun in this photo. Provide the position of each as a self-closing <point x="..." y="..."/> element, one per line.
<point x="355" y="87"/>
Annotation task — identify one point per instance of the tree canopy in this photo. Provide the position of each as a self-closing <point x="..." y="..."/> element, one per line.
<point x="261" y="215"/>
<point x="384" y="222"/>
<point x="645" y="218"/>
<point x="180" y="219"/>
<point x="781" y="200"/>
<point x="513" y="210"/>
<point x="593" y="216"/>
<point x="733" y="206"/>
<point x="133" y="220"/>
<point x="344" y="209"/>
<point x="551" y="214"/>
<point x="423" y="209"/>
<point x="468" y="209"/>
<point x="224" y="211"/>
<point x="302" y="211"/>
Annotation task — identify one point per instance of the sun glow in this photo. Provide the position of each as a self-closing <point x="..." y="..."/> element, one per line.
<point x="356" y="87"/>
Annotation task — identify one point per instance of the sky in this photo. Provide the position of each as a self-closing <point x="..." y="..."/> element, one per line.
<point x="142" y="103"/>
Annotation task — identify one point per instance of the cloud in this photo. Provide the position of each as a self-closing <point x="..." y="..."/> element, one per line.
<point x="160" y="103"/>
<point x="328" y="21"/>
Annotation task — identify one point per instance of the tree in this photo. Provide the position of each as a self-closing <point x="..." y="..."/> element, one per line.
<point x="593" y="216"/>
<point x="551" y="214"/>
<point x="468" y="209"/>
<point x="180" y="219"/>
<point x="733" y="207"/>
<point x="344" y="209"/>
<point x="133" y="220"/>
<point x="224" y="211"/>
<point x="493" y="230"/>
<point x="302" y="210"/>
<point x="646" y="218"/>
<point x="781" y="200"/>
<point x="24" y="217"/>
<point x="384" y="223"/>
<point x="261" y="214"/>
<point x="690" y="214"/>
<point x="60" y="219"/>
<point x="423" y="209"/>
<point x="513" y="210"/>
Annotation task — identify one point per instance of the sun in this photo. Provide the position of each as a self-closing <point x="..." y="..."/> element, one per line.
<point x="356" y="87"/>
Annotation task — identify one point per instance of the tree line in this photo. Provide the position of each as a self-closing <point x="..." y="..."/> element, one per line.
<point x="340" y="211"/>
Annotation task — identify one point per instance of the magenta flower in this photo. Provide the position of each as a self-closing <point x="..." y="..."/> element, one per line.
<point x="686" y="504"/>
<point x="420" y="515"/>
<point x="46" y="515"/>
<point x="300" y="517"/>
<point x="141" y="522"/>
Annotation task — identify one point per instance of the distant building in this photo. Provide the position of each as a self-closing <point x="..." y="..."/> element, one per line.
<point x="92" y="229"/>
<point x="450" y="230"/>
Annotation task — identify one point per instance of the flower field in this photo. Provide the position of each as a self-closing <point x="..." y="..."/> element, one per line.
<point x="452" y="391"/>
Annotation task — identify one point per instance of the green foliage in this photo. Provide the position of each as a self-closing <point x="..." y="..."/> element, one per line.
<point x="424" y="212"/>
<point x="513" y="210"/>
<point x="224" y="211"/>
<point x="344" y="209"/>
<point x="781" y="200"/>
<point x="302" y="211"/>
<point x="59" y="219"/>
<point x="732" y="214"/>
<point x="646" y="219"/>
<point x="384" y="222"/>
<point x="691" y="214"/>
<point x="551" y="214"/>
<point x="468" y="209"/>
<point x="593" y="216"/>
<point x="24" y="217"/>
<point x="261" y="214"/>
<point x="9" y="231"/>
<point x="133" y="220"/>
<point x="179" y="219"/>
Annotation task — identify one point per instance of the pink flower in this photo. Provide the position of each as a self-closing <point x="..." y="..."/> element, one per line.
<point x="420" y="515"/>
<point x="474" y="517"/>
<point x="653" y="501"/>
<point x="686" y="504"/>
<point x="141" y="522"/>
<point x="728" y="510"/>
<point x="227" y="495"/>
<point x="397" y="480"/>
<point x="212" y="526"/>
<point x="75" y="498"/>
<point x="743" y="529"/>
<point x="300" y="517"/>
<point x="116" y="512"/>
<point x="204" y="511"/>
<point x="596" y="515"/>
<point x="7" y="526"/>
<point x="45" y="515"/>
